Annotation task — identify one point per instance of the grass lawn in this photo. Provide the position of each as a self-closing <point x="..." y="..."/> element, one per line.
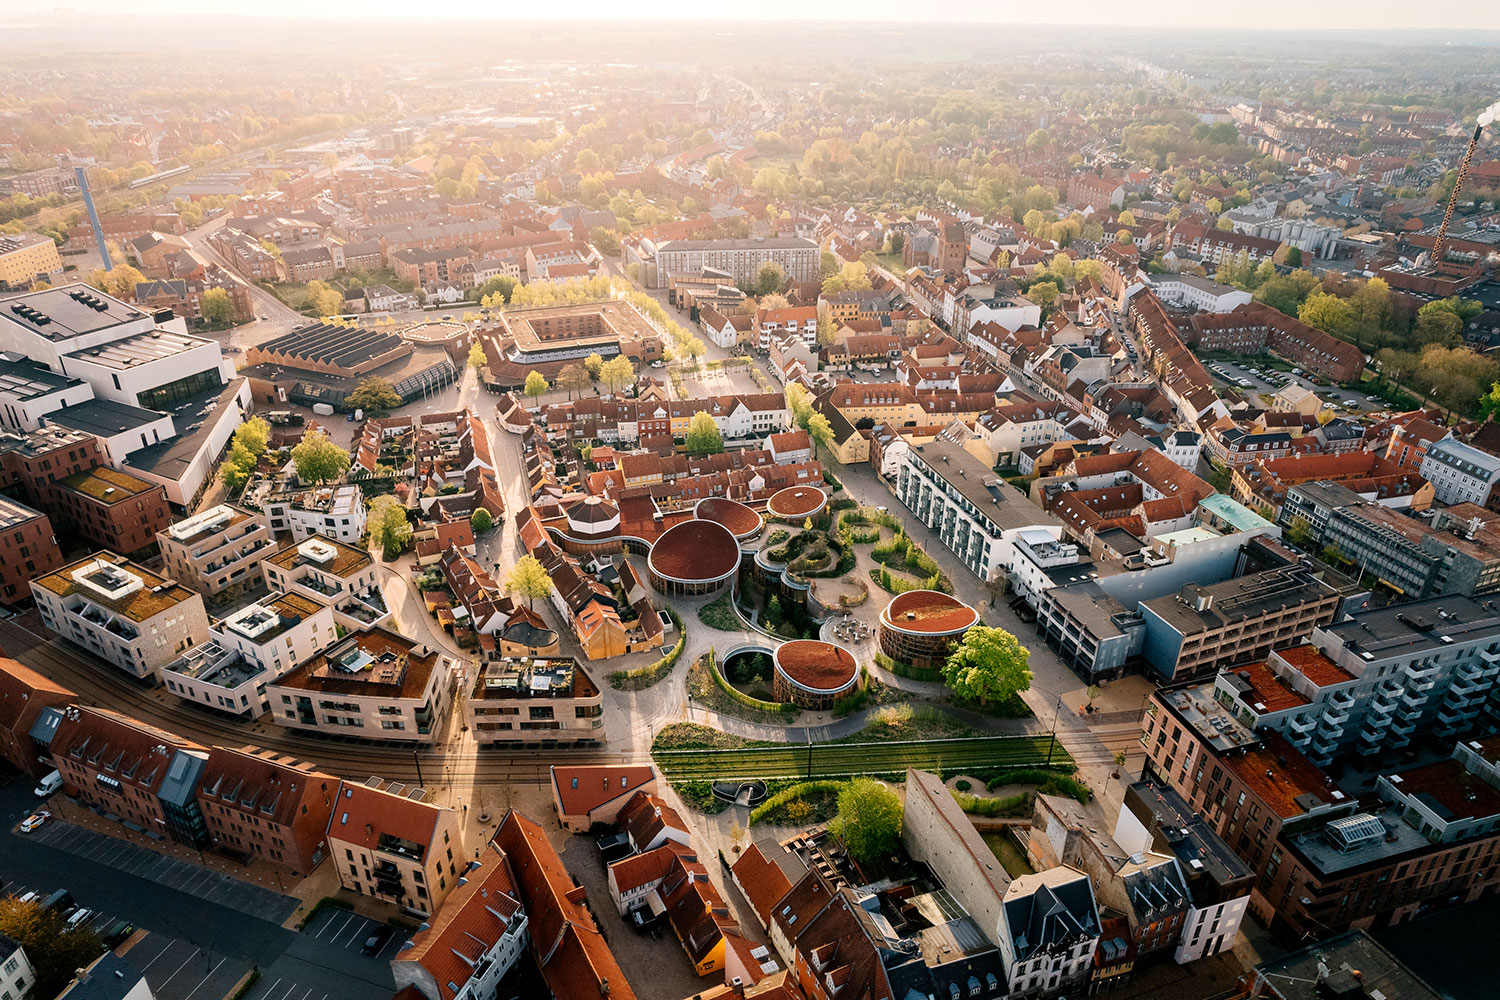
<point x="892" y="263"/>
<point x="839" y="760"/>
<point x="292" y="296"/>
<point x="1009" y="855"/>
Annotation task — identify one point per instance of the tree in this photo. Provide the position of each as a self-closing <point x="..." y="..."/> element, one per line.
<point x="869" y="820"/>
<point x="323" y="299"/>
<point x="56" y="950"/>
<point x="1214" y="206"/>
<point x="237" y="467"/>
<point x="770" y="279"/>
<point x="703" y="436"/>
<point x="593" y="364"/>
<point x="617" y="372"/>
<point x="477" y="357"/>
<point x="529" y="579"/>
<point x="799" y="402"/>
<point x="373" y="394"/>
<point x="317" y="459"/>
<point x="605" y="240"/>
<point x="481" y="521"/>
<point x="502" y="286"/>
<point x="1328" y="313"/>
<point x="1123" y="237"/>
<point x="536" y="384"/>
<point x="1127" y="218"/>
<point x="988" y="665"/>
<point x="1489" y="403"/>
<point x="119" y="282"/>
<point x="828" y="265"/>
<point x="1437" y="326"/>
<point x="773" y="301"/>
<point x="389" y="526"/>
<point x="1036" y="140"/>
<point x="572" y="378"/>
<point x="217" y="306"/>
<point x="1043" y="293"/>
<point x="1300" y="533"/>
<point x="1293" y="257"/>
<point x="820" y="430"/>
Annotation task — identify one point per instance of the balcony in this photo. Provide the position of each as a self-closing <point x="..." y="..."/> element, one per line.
<point x="1404" y="726"/>
<point x="1334" y="715"/>
<point x="1301" y="725"/>
<point x="1412" y="701"/>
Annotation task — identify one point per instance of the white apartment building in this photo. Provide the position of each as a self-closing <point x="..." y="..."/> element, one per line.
<point x="1049" y="930"/>
<point x="1460" y="473"/>
<point x="976" y="514"/>
<point x="16" y="974"/>
<point x="1192" y="292"/>
<point x="1041" y="560"/>
<point x="216" y="549"/>
<point x="248" y="650"/>
<point x="374" y="685"/>
<point x="742" y="259"/>
<point x="121" y="612"/>
<point x="336" y="512"/>
<point x="333" y="573"/>
<point x="1371" y="682"/>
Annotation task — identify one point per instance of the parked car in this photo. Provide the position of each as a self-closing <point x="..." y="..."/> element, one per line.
<point x="80" y="916"/>
<point x="35" y="820"/>
<point x="377" y="939"/>
<point x="51" y="783"/>
<point x="61" y="901"/>
<point x="116" y="933"/>
<point x="613" y="847"/>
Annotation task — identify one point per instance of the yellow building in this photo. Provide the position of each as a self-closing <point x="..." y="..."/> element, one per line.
<point x="26" y="256"/>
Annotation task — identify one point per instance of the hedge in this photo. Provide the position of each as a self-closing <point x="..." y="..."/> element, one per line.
<point x="797" y="791"/>
<point x="781" y="708"/>
<point x="1047" y="782"/>
<point x="644" y="677"/>
<point x="976" y="806"/>
<point x="903" y="669"/>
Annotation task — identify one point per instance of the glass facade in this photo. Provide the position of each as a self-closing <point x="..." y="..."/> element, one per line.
<point x="164" y="397"/>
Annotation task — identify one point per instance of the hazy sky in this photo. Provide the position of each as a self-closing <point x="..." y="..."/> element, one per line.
<point x="1189" y="14"/>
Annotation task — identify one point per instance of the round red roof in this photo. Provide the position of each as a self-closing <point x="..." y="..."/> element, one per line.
<point x="928" y="611"/>
<point x="817" y="665"/>
<point x="739" y="519"/>
<point x="796" y="501"/>
<point x="695" y="552"/>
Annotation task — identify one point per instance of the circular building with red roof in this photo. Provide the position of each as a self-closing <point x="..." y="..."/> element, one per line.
<point x="692" y="558"/>
<point x="813" y="674"/>
<point x="796" y="503"/>
<point x="921" y="626"/>
<point x="742" y="522"/>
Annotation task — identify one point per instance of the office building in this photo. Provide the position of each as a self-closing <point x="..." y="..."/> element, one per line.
<point x="26" y="258"/>
<point x="121" y="612"/>
<point x="267" y="805"/>
<point x="741" y="259"/>
<point x="1460" y="473"/>
<point x="28" y="549"/>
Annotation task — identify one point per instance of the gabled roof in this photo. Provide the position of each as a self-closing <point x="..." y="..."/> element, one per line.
<point x="471" y="921"/>
<point x="584" y="788"/>
<point x="362" y="815"/>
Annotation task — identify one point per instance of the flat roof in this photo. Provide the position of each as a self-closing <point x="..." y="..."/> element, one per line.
<point x="107" y="485"/>
<point x="346" y="561"/>
<point x="25" y="379"/>
<point x="193" y="419"/>
<point x="104" y="417"/>
<point x="150" y="600"/>
<point x="1262" y="690"/>
<point x="67" y="311"/>
<point x="140" y="349"/>
<point x="1254" y="595"/>
<point x="1297" y="977"/>
<point x="1311" y="662"/>
<point x="14" y="512"/>
<point x="376" y="663"/>
<point x="1406" y="630"/>
<point x="1237" y="515"/>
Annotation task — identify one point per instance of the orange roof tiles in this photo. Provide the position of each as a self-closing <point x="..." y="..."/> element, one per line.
<point x="762" y="881"/>
<point x="361" y="814"/>
<point x="471" y="920"/>
<point x="1277" y="773"/>
<point x="584" y="788"/>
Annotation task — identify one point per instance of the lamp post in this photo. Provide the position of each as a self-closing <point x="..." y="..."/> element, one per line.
<point x="417" y="761"/>
<point x="1052" y="738"/>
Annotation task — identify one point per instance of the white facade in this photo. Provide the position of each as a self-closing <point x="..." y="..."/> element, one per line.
<point x="1460" y="473"/>
<point x="17" y="977"/>
<point x="1210" y="930"/>
<point x="1035" y="552"/>
<point x="1198" y="293"/>
<point x="336" y="512"/>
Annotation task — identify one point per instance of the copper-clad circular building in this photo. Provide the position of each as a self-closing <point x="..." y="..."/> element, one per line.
<point x="813" y="674"/>
<point x="741" y="521"/>
<point x="796" y="503"/>
<point x="694" y="557"/>
<point x="921" y="626"/>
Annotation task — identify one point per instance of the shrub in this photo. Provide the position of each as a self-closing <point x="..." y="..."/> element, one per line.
<point x="1016" y="805"/>
<point x="719" y="614"/>
<point x="962" y="784"/>
<point x="782" y="708"/>
<point x="794" y="793"/>
<point x="644" y="677"/>
<point x="1047" y="782"/>
<point x="903" y="669"/>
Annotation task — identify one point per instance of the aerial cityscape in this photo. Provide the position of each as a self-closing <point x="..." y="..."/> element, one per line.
<point x="712" y="506"/>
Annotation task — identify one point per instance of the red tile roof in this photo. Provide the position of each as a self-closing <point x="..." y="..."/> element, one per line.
<point x="649" y="866"/>
<point x="584" y="788"/>
<point x="1277" y="773"/>
<point x="762" y="881"/>
<point x="470" y="922"/>
<point x="361" y="814"/>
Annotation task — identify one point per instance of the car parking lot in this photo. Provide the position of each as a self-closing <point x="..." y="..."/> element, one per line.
<point x="327" y="960"/>
<point x="167" y="870"/>
<point x="181" y="970"/>
<point x="1267" y="379"/>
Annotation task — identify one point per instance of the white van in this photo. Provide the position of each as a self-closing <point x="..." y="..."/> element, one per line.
<point x="82" y="915"/>
<point x="49" y="784"/>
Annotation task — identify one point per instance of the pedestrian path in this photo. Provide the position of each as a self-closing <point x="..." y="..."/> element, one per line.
<point x="175" y="873"/>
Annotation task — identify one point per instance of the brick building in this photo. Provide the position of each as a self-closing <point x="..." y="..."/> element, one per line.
<point x="269" y="805"/>
<point x="28" y="549"/>
<point x="111" y="509"/>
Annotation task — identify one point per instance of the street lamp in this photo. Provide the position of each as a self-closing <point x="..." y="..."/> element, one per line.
<point x="418" y="761"/>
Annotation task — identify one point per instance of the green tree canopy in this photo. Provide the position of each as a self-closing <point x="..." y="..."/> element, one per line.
<point x="573" y="378"/>
<point x="1328" y="313"/>
<point x="373" y="393"/>
<point x="323" y="299"/>
<point x="820" y="430"/>
<point x="536" y="384"/>
<point x="481" y="521"/>
<point x="617" y="372"/>
<point x="800" y="403"/>
<point x="501" y="286"/>
<point x="389" y="526"/>
<point x="989" y="665"/>
<point x="703" y="436"/>
<point x="770" y="279"/>
<point x="317" y="459"/>
<point x="529" y="579"/>
<point x="477" y="357"/>
<point x="593" y="364"/>
<point x="869" y="820"/>
<point x="217" y="306"/>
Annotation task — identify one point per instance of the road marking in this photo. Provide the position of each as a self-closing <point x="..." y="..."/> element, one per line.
<point x="185" y="961"/>
<point x="357" y="929"/>
<point x="288" y="991"/>
<point x="271" y="987"/>
<point x="204" y="980"/>
<point x="158" y="955"/>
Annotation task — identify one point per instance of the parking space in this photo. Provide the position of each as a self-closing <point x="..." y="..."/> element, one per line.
<point x="181" y="970"/>
<point x="166" y="870"/>
<point x="346" y="931"/>
<point x="97" y="921"/>
<point x="327" y="959"/>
